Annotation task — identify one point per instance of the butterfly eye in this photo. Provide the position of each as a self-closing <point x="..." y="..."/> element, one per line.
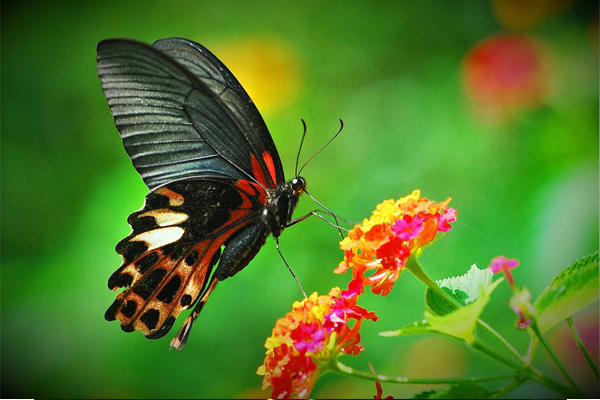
<point x="298" y="185"/>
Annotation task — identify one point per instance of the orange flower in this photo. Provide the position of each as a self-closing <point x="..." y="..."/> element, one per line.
<point x="314" y="332"/>
<point x="396" y="231"/>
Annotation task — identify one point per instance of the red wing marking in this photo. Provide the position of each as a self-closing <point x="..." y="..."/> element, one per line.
<point x="258" y="173"/>
<point x="251" y="190"/>
<point x="271" y="166"/>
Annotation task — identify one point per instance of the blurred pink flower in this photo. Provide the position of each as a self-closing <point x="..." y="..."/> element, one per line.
<point x="504" y="74"/>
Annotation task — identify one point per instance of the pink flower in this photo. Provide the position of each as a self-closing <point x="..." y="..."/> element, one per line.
<point x="308" y="338"/>
<point x="502" y="263"/>
<point x="448" y="216"/>
<point x="408" y="227"/>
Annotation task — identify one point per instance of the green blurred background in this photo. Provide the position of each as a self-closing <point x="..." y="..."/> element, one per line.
<point x="422" y="110"/>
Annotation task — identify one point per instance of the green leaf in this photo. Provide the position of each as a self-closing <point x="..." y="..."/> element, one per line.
<point x="416" y="328"/>
<point x="462" y="322"/>
<point x="465" y="289"/>
<point x="436" y="304"/>
<point x="472" y="290"/>
<point x="470" y="283"/>
<point x="572" y="290"/>
<point x="459" y="324"/>
<point x="460" y="391"/>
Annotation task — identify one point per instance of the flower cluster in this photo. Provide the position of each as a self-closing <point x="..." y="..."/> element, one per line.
<point x="316" y="331"/>
<point x="319" y="329"/>
<point x="396" y="231"/>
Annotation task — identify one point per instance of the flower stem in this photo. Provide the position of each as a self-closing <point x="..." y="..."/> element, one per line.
<point x="536" y="330"/>
<point x="502" y="340"/>
<point x="491" y="353"/>
<point x="413" y="266"/>
<point x="527" y="372"/>
<point x="552" y="384"/>
<point x="524" y="372"/>
<point x="509" y="387"/>
<point x="343" y="369"/>
<point x="531" y="350"/>
<point x="581" y="346"/>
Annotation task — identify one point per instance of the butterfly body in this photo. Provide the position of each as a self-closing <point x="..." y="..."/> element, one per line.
<point x="217" y="188"/>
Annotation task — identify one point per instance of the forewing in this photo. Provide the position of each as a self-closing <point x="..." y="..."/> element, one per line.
<point x="175" y="242"/>
<point x="214" y="74"/>
<point x="176" y="122"/>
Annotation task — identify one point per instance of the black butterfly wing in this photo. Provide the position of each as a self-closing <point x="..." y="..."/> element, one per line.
<point x="175" y="242"/>
<point x="212" y="72"/>
<point x="181" y="113"/>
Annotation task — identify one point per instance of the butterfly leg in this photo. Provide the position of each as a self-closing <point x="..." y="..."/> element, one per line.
<point x="316" y="212"/>
<point x="290" y="268"/>
<point x="181" y="339"/>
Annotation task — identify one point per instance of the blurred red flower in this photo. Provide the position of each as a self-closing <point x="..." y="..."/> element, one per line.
<point x="504" y="74"/>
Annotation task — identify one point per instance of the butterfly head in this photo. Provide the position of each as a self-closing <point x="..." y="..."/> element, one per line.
<point x="298" y="186"/>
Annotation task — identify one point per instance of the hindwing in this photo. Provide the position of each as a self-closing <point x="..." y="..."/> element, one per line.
<point x="175" y="242"/>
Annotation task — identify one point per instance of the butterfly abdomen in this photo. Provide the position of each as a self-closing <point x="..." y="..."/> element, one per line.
<point x="241" y="249"/>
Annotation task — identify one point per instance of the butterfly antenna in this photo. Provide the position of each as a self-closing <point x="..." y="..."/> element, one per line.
<point x="329" y="211"/>
<point x="301" y="143"/>
<point x="322" y="148"/>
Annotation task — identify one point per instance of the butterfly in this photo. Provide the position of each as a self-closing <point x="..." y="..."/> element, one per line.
<point x="216" y="183"/>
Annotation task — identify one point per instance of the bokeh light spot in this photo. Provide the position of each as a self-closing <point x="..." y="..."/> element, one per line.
<point x="266" y="67"/>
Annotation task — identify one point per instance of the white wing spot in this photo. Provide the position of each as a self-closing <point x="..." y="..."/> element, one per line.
<point x="160" y="237"/>
<point x="166" y="217"/>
